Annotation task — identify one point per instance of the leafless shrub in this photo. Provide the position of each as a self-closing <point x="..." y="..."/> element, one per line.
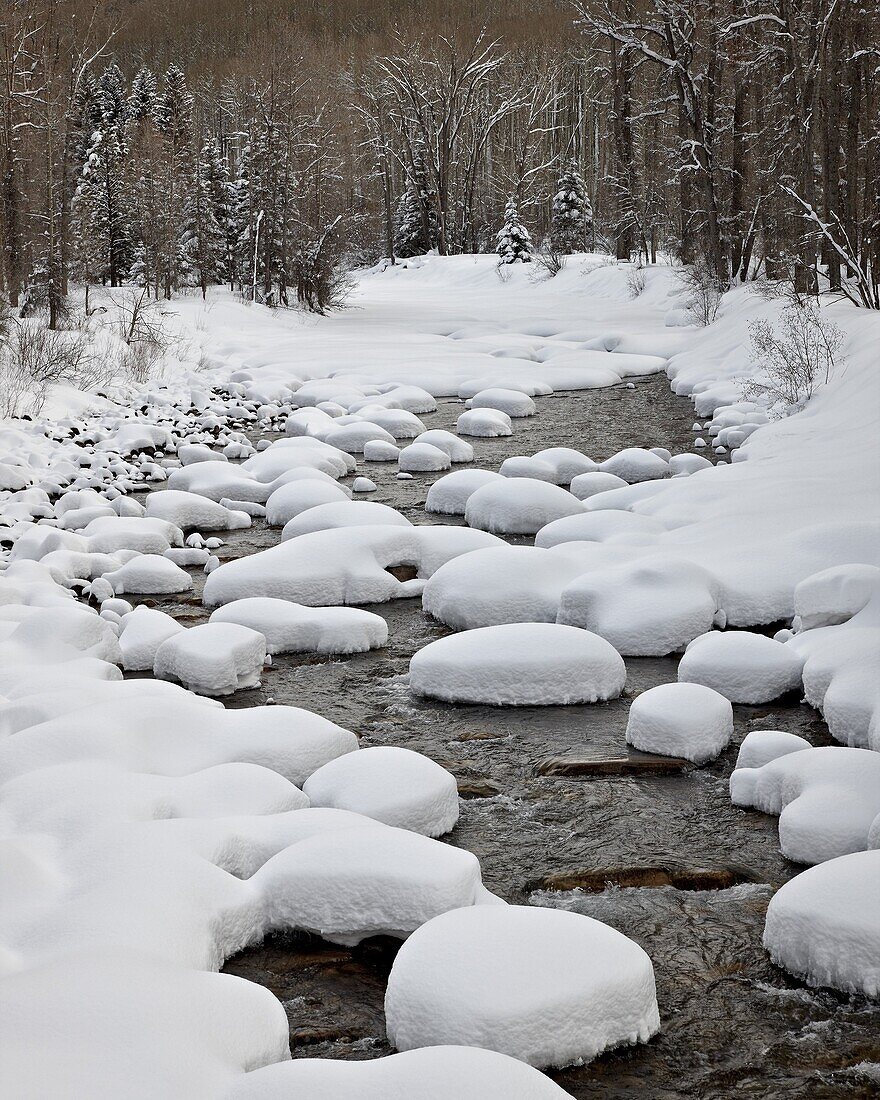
<point x="140" y="324"/>
<point x="320" y="273"/>
<point x="635" y="280"/>
<point x="797" y="357"/>
<point x="34" y="357"/>
<point x="703" y="290"/>
<point x="548" y="262"/>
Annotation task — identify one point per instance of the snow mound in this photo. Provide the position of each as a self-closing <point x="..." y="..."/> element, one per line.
<point x="393" y="785"/>
<point x="449" y="494"/>
<point x="484" y="423"/>
<point x="149" y="574"/>
<point x="566" y="463"/>
<point x="398" y="422"/>
<point x="423" y="458"/>
<point x="350" y="884"/>
<point x="745" y="667"/>
<point x="823" y="924"/>
<point x="518" y="506"/>
<point x="578" y="987"/>
<point x="448" y="442"/>
<point x="141" y="632"/>
<point x="834" y="595"/>
<point x="346" y="566"/>
<point x="519" y="664"/>
<point x="353" y="437"/>
<point x="593" y="482"/>
<point x="294" y="628"/>
<point x="511" y="402"/>
<point x="827" y="799"/>
<point x="212" y="659"/>
<point x="686" y="720"/>
<point x="644" y="608"/>
<point x="525" y="466"/>
<point x="432" y="1073"/>
<point x="635" y="464"/>
<point x="629" y="527"/>
<point x="299" y="496"/>
<point x="378" y="451"/>
<point x="343" y="513"/>
<point x="761" y="746"/>
<point x="189" y="511"/>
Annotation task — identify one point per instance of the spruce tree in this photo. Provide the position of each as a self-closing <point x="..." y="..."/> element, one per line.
<point x="205" y="236"/>
<point x="174" y="122"/>
<point x="409" y="229"/>
<point x="143" y="103"/>
<point x="571" y="219"/>
<point x="112" y="98"/>
<point x="102" y="216"/>
<point x="514" y="243"/>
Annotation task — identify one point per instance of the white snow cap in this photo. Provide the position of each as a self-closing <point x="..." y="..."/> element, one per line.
<point x="823" y="925"/>
<point x="343" y="513"/>
<point x="518" y="506"/>
<point x="423" y="458"/>
<point x="511" y="402"/>
<point x="686" y="720"/>
<point x="593" y="482"/>
<point x="449" y="494"/>
<point x="432" y="1073"/>
<point x="519" y="664"/>
<point x="746" y="667"/>
<point x="577" y="987"/>
<point x="393" y="785"/>
<point x="295" y="628"/>
<point x="487" y="423"/>
<point x="635" y="464"/>
<point x="190" y="511"/>
<point x="761" y="746"/>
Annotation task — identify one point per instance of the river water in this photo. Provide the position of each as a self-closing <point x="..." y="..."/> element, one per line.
<point x="691" y="875"/>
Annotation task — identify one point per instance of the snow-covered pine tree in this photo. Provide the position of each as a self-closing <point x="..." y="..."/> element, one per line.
<point x="174" y="122"/>
<point x="143" y="102"/>
<point x="571" y="219"/>
<point x="114" y="107"/>
<point x="101" y="213"/>
<point x="409" y="230"/>
<point x="239" y="249"/>
<point x="207" y="211"/>
<point x="514" y="243"/>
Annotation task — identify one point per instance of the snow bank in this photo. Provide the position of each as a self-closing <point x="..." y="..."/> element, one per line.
<point x="521" y="664"/>
<point x="577" y="987"/>
<point x="823" y="924"/>
<point x="293" y="628"/>
<point x="685" y="720"/>
<point x="396" y="786"/>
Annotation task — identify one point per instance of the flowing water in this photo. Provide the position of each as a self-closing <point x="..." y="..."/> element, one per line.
<point x="690" y="874"/>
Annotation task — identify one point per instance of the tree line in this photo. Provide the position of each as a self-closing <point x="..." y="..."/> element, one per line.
<point x="271" y="154"/>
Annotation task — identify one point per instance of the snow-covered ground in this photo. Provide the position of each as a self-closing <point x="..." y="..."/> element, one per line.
<point x="148" y="832"/>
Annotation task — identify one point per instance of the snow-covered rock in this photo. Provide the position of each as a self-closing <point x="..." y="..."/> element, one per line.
<point x="834" y="595"/>
<point x="578" y="987"/>
<point x="377" y="450"/>
<point x="350" y="884"/>
<point x="343" y="513"/>
<point x="149" y="574"/>
<point x="353" y="437"/>
<point x="448" y="442"/>
<point x="520" y="664"/>
<point x="746" y="667"/>
<point x="299" y="496"/>
<point x="761" y="746"/>
<point x="511" y="402"/>
<point x="189" y="511"/>
<point x="485" y="423"/>
<point x="141" y="633"/>
<point x="294" y="628"/>
<point x="518" y="506"/>
<point x="594" y="481"/>
<point x="827" y="799"/>
<point x="823" y="924"/>
<point x="635" y="464"/>
<point x="432" y="1073"/>
<point x="393" y="785"/>
<point x="214" y="658"/>
<point x="449" y="494"/>
<point x="423" y="458"/>
<point x="686" y="720"/>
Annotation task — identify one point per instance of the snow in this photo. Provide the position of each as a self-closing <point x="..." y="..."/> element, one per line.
<point x="423" y="458"/>
<point x="295" y="497"/>
<point x="449" y="494"/>
<point x="141" y="632"/>
<point x="761" y="746"/>
<point x="578" y="987"/>
<point x="518" y="506"/>
<point x="823" y="924"/>
<point x="343" y="513"/>
<point x="487" y="423"/>
<point x="349" y="884"/>
<point x="378" y="451"/>
<point x="352" y="437"/>
<point x="363" y="485"/>
<point x="686" y="720"/>
<point x="394" y="785"/>
<point x="456" y="448"/>
<point x="834" y="595"/>
<point x="635" y="464"/>
<point x="432" y="1073"/>
<point x="645" y="608"/>
<point x="293" y="628"/>
<point x="148" y="574"/>
<point x="189" y="511"/>
<point x="215" y="658"/>
<point x="510" y="402"/>
<point x="519" y="664"/>
<point x="746" y="667"/>
<point x="826" y="799"/>
<point x="593" y="482"/>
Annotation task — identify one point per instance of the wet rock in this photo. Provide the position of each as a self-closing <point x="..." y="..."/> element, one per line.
<point x="596" y="880"/>
<point x="403" y="572"/>
<point x="477" y="788"/>
<point x="634" y="764"/>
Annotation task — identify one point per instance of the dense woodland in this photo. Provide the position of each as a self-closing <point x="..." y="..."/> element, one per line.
<point x="271" y="146"/>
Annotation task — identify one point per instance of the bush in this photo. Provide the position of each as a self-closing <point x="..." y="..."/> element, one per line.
<point x="797" y="357"/>
<point x="703" y="290"/>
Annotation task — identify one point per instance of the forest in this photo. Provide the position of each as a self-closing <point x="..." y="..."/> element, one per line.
<point x="273" y="147"/>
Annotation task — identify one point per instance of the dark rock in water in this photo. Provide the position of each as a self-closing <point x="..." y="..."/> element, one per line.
<point x="403" y="572"/>
<point x="477" y="788"/>
<point x="682" y="878"/>
<point x="634" y="764"/>
<point x="481" y="735"/>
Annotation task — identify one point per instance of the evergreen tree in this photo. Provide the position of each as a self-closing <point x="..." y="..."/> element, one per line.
<point x="175" y="179"/>
<point x="571" y="220"/>
<point x="514" y="243"/>
<point x="112" y="98"/>
<point x="239" y="249"/>
<point x="102" y="216"/>
<point x="205" y="237"/>
<point x="143" y="103"/>
<point x="174" y="111"/>
<point x="409" y="228"/>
